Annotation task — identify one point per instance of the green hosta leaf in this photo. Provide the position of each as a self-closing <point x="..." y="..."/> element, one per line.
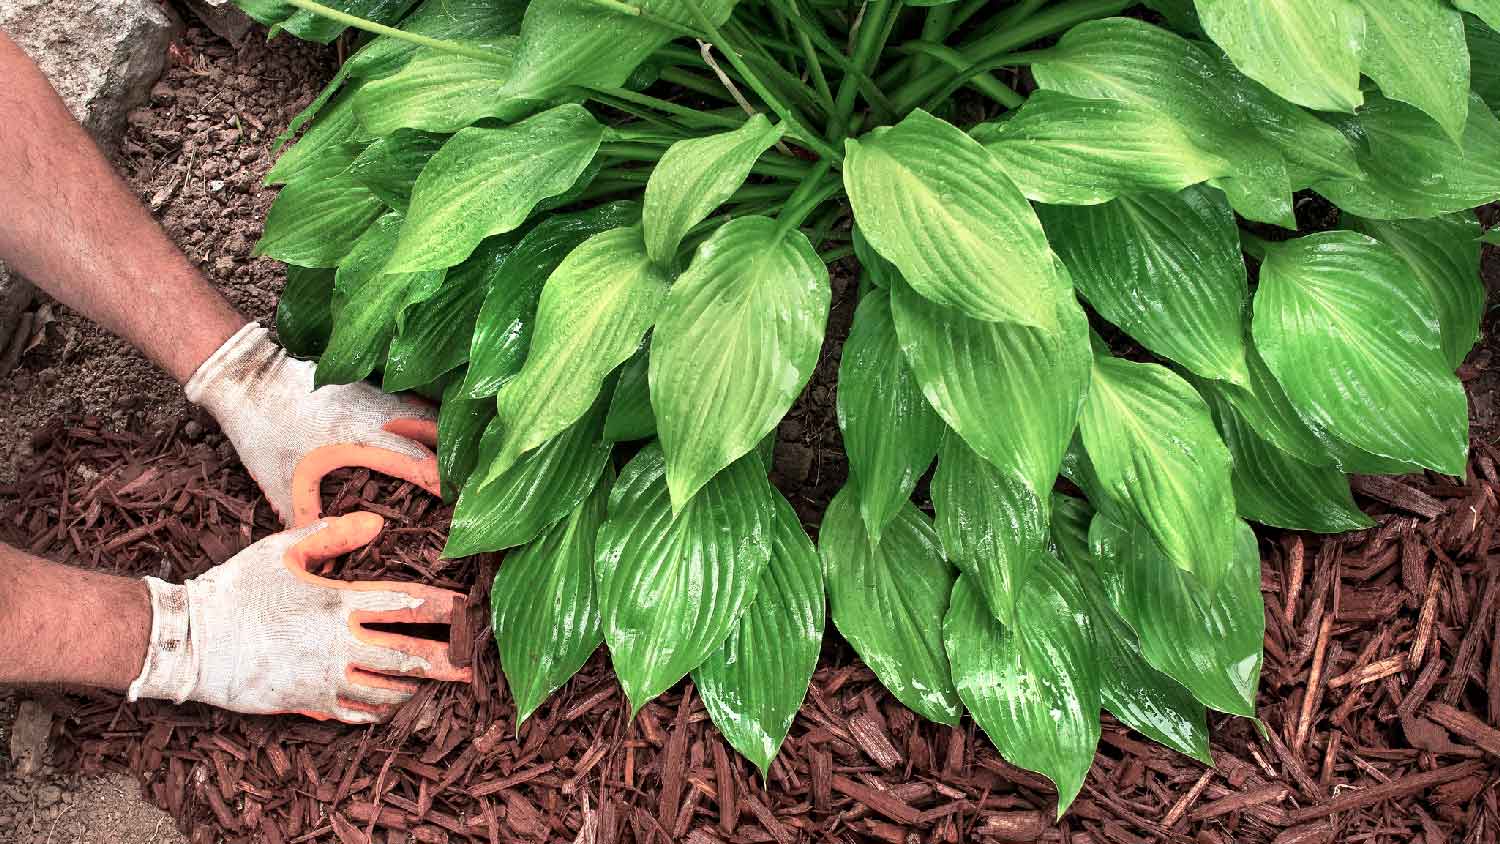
<point x="1486" y="10"/>
<point x="938" y="205"/>
<point x="461" y="423"/>
<point x="878" y="270"/>
<point x="502" y="334"/>
<point x="696" y="176"/>
<point x="485" y="181"/>
<point x="1491" y="237"/>
<point x="1208" y="640"/>
<point x="753" y="684"/>
<point x="332" y="143"/>
<point x="434" y="334"/>
<point x="389" y="167"/>
<point x="593" y="311"/>
<point x="1275" y="488"/>
<point x="991" y="525"/>
<point x="1413" y="169"/>
<point x="545" y="613"/>
<point x="886" y="601"/>
<point x="1306" y="51"/>
<point x="1152" y="442"/>
<point x="313" y="27"/>
<point x="1484" y="60"/>
<point x="1032" y="686"/>
<point x="1346" y="326"/>
<point x="1012" y="392"/>
<point x="499" y="510"/>
<point x="1416" y="52"/>
<point x="442" y="19"/>
<point x="1143" y="698"/>
<point x="578" y="43"/>
<point x="439" y="92"/>
<point x="1068" y="150"/>
<point x="1444" y="254"/>
<point x="1166" y="268"/>
<point x="315" y="222"/>
<point x="890" y="431"/>
<point x="369" y="305"/>
<point x="672" y="587"/>
<point x="630" y="416"/>
<point x="303" y="316"/>
<point x="737" y="339"/>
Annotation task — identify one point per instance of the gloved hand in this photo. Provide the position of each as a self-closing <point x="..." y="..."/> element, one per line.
<point x="261" y="634"/>
<point x="289" y="435"/>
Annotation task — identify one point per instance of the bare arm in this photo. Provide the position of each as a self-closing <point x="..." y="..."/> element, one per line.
<point x="59" y="624"/>
<point x="71" y="226"/>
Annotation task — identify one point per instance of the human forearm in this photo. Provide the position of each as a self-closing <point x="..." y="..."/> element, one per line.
<point x="70" y="225"/>
<point x="59" y="624"/>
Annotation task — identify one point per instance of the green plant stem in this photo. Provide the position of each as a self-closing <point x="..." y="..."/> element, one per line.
<point x="692" y="114"/>
<point x="867" y="85"/>
<point x="694" y="82"/>
<point x="806" y="198"/>
<point x="637" y="12"/>
<point x="381" y="29"/>
<point x="836" y="253"/>
<point x="622" y="151"/>
<point x="934" y="29"/>
<point x="1254" y="245"/>
<point x="969" y="74"/>
<point x="866" y="47"/>
<point x="814" y="66"/>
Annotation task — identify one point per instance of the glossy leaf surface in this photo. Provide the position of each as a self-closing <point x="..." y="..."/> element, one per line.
<point x="1416" y="52"/>
<point x="304" y="317"/>
<point x="1305" y="51"/>
<point x="438" y="92"/>
<point x="630" y="415"/>
<point x="461" y="424"/>
<point x="329" y="145"/>
<point x="389" y="166"/>
<point x="316" y="221"/>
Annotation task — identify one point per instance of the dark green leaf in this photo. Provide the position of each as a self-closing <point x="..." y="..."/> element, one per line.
<point x="753" y="684"/>
<point x="313" y="27"/>
<point x="1032" y="686"/>
<point x="389" y="167"/>
<point x="303" y="316"/>
<point x="546" y="616"/>
<point x="1486" y="10"/>
<point x="737" y="339"/>
<point x="877" y="269"/>
<point x="1484" y="59"/>
<point x="472" y="20"/>
<point x="672" y="587"/>
<point x="461" y="422"/>
<point x="1346" y="327"/>
<point x="886" y="601"/>
<point x="938" y="205"/>
<point x="485" y="181"/>
<point x="630" y="416"/>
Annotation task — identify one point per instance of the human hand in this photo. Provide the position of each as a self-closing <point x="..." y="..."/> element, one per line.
<point x="262" y="634"/>
<point x="289" y="435"/>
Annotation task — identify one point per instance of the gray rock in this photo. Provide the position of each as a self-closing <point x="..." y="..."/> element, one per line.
<point x="223" y="18"/>
<point x="102" y="57"/>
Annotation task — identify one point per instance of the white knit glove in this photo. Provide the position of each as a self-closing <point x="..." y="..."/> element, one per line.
<point x="289" y="435"/>
<point x="261" y="634"/>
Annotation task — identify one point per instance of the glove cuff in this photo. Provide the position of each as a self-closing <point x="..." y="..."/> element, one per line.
<point x="171" y="667"/>
<point x="244" y="358"/>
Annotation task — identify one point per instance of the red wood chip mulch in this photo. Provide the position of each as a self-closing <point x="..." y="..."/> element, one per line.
<point x="1381" y="695"/>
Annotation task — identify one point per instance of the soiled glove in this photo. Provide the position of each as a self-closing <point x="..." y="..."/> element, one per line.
<point x="290" y="435"/>
<point x="261" y="634"/>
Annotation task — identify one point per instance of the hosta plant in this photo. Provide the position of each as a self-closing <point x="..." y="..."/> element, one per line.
<point x="599" y="232"/>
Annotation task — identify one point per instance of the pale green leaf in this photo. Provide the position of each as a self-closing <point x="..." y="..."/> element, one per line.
<point x="390" y="166"/>
<point x="736" y="341"/>
<point x="439" y="92"/>
<point x="316" y="221"/>
<point x="671" y="587"/>
<point x="334" y="139"/>
<point x="1486" y="10"/>
<point x="1305" y="51"/>
<point x="936" y="204"/>
<point x="888" y="600"/>
<point x="1415" y="50"/>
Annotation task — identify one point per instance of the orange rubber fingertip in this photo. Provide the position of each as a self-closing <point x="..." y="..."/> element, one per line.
<point x="307" y="477"/>
<point x="423" y="431"/>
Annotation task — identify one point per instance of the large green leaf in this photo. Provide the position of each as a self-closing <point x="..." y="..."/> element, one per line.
<point x="890" y="431"/>
<point x="1012" y="392"/>
<point x="439" y="92"/>
<point x="544" y="611"/>
<point x="1444" y="254"/>
<point x="369" y="305"/>
<point x="433" y="337"/>
<point x="1413" y="169"/>
<point x="1208" y="640"/>
<point x="580" y="43"/>
<point x="461" y="425"/>
<point x="304" y="317"/>
<point x="1275" y="488"/>
<point x="473" y="20"/>
<point x="753" y="684"/>
<point x="314" y="222"/>
<point x="936" y="204"/>
<point x="485" y="181"/>
<point x="1069" y="150"/>
<point x="1351" y="334"/>
<point x="502" y="334"/>
<point x="1306" y="51"/>
<point x="1166" y="268"/>
<point x="334" y="137"/>
<point x="1416" y="52"/>
<point x="672" y="586"/>
<point x="992" y="526"/>
<point x="694" y="177"/>
<point x="1484" y="59"/>
<point x="737" y="339"/>
<point x="499" y="510"/>
<point x="1152" y="442"/>
<point x="389" y="167"/>
<point x="1033" y="686"/>
<point x="310" y="26"/>
<point x="887" y="599"/>
<point x="630" y="415"/>
<point x="1486" y="10"/>
<point x="1143" y="698"/>
<point x="593" y="311"/>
